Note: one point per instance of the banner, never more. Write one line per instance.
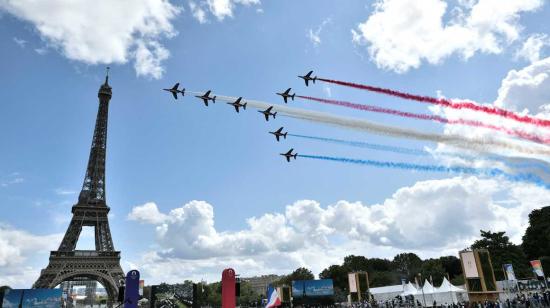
(469, 263)
(131, 294)
(509, 270)
(352, 283)
(537, 268)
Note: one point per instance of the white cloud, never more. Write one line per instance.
(73, 28)
(20, 42)
(12, 179)
(401, 34)
(428, 218)
(41, 51)
(64, 192)
(315, 35)
(219, 8)
(198, 12)
(147, 213)
(16, 247)
(532, 47)
(527, 88)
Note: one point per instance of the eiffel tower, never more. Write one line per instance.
(91, 210)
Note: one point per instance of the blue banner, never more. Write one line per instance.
(131, 293)
(312, 288)
(31, 298)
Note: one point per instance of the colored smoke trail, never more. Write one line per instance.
(514, 162)
(371, 146)
(493, 172)
(484, 145)
(429, 117)
(446, 103)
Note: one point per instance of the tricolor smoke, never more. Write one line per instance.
(446, 103)
(429, 117)
(484, 145)
(514, 162)
(493, 172)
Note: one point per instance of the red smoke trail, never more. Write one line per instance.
(446, 103)
(429, 117)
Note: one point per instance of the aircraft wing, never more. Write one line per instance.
(205, 101)
(277, 136)
(266, 116)
(280, 130)
(236, 108)
(207, 94)
(269, 109)
(175, 95)
(175, 87)
(288, 158)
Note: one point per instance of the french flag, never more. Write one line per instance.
(273, 299)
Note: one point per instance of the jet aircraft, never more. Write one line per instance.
(286, 94)
(279, 133)
(268, 113)
(174, 90)
(237, 104)
(206, 97)
(308, 77)
(288, 155)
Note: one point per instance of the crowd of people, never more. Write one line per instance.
(539, 299)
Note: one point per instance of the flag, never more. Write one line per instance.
(537, 268)
(273, 299)
(509, 270)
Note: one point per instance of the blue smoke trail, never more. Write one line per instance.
(493, 172)
(419, 152)
(372, 146)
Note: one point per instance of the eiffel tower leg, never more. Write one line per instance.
(71, 236)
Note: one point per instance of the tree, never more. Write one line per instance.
(433, 270)
(407, 265)
(503, 252)
(300, 273)
(536, 241)
(355, 264)
(451, 265)
(338, 275)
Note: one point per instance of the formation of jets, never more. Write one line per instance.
(238, 103)
(174, 90)
(286, 94)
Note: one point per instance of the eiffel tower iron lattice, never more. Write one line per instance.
(91, 210)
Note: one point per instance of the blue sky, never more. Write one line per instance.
(162, 154)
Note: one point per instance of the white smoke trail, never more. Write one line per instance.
(484, 145)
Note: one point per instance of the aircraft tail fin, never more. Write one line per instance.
(244, 106)
(183, 92)
(293, 96)
(284, 135)
(214, 99)
(274, 114)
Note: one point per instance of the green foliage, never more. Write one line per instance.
(407, 265)
(433, 271)
(301, 273)
(502, 252)
(536, 241)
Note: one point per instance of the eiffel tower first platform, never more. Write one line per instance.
(91, 210)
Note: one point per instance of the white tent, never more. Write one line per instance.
(409, 289)
(448, 293)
